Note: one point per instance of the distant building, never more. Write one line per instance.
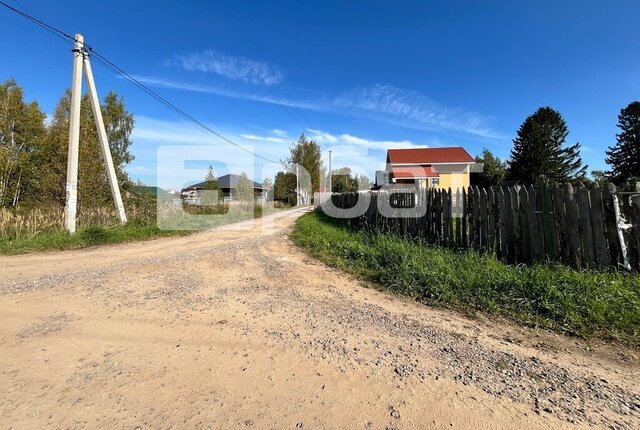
(229, 187)
(383, 177)
(145, 190)
(428, 167)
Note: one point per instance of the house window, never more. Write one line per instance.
(435, 182)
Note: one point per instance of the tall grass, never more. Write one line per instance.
(584, 303)
(42, 228)
(18, 223)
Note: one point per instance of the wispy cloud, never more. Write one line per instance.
(411, 109)
(381, 103)
(235, 68)
(208, 89)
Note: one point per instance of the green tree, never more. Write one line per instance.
(342, 181)
(493, 172)
(284, 188)
(245, 192)
(212, 192)
(364, 183)
(624, 156)
(599, 178)
(539, 149)
(307, 154)
(267, 186)
(118, 123)
(93, 188)
(22, 134)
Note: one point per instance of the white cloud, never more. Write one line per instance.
(265, 138)
(279, 133)
(235, 68)
(323, 137)
(387, 103)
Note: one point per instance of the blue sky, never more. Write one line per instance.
(357, 76)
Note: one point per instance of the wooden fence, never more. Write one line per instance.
(576, 227)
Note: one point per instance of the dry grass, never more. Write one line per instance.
(19, 223)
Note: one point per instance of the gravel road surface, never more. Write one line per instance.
(237, 328)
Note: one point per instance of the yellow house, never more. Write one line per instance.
(430, 167)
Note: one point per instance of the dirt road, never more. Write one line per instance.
(237, 328)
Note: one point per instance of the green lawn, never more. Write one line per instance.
(583, 303)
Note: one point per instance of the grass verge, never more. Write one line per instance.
(583, 303)
(88, 236)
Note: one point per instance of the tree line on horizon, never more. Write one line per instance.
(540, 149)
(33, 154)
(34, 149)
(307, 153)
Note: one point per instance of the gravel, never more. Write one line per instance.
(328, 326)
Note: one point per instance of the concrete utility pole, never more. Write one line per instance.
(74, 137)
(81, 58)
(104, 143)
(297, 187)
(330, 172)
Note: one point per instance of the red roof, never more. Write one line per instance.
(455, 154)
(414, 172)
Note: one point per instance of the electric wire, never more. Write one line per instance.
(105, 62)
(51, 29)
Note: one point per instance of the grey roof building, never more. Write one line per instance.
(228, 184)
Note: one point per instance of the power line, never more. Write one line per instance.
(51, 29)
(110, 65)
(118, 70)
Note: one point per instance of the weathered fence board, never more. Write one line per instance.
(611, 233)
(603, 258)
(560, 225)
(536, 235)
(484, 221)
(584, 227)
(465, 219)
(571, 210)
(491, 213)
(634, 248)
(458, 220)
(523, 222)
(500, 210)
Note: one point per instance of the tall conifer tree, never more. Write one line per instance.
(539, 149)
(624, 156)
